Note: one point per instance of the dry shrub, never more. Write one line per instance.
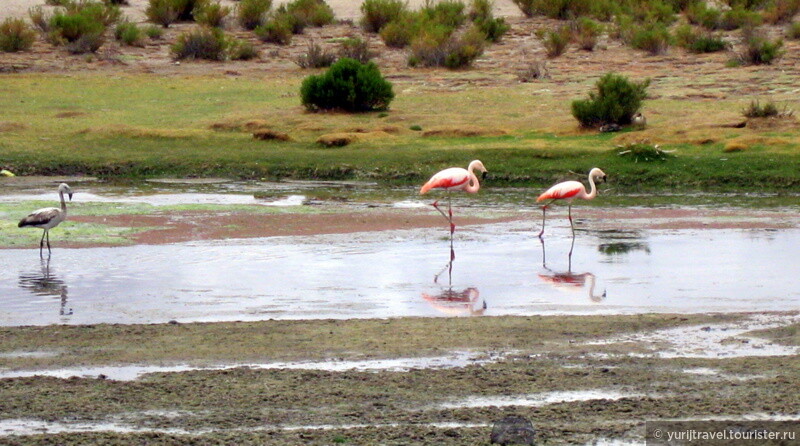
(735, 146)
(7, 126)
(239, 125)
(271, 135)
(463, 131)
(391, 129)
(71, 114)
(341, 139)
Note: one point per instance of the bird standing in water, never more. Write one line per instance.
(48, 218)
(568, 191)
(454, 178)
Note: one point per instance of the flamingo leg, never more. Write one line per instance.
(450, 212)
(48, 241)
(41, 242)
(569, 213)
(544, 257)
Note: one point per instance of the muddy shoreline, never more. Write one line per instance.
(573, 390)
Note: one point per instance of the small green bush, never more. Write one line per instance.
(701, 14)
(356, 49)
(80, 29)
(311, 12)
(347, 85)
(162, 12)
(16, 35)
(212, 14)
(201, 43)
(526, 6)
(793, 32)
(316, 57)
(492, 28)
(643, 152)
(624, 29)
(587, 31)
(252, 13)
(378, 13)
(397, 34)
(464, 50)
(555, 42)
(449, 13)
(129, 34)
(707, 43)
(563, 9)
(653, 38)
(615, 101)
(480, 10)
(759, 50)
(154, 32)
(739, 17)
(276, 30)
(756, 110)
(107, 15)
(241, 50)
(655, 11)
(436, 47)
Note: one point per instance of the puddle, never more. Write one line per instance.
(539, 399)
(133, 372)
(711, 341)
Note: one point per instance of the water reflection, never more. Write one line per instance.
(45, 283)
(448, 301)
(569, 281)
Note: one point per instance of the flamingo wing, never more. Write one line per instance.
(40, 217)
(563, 191)
(452, 178)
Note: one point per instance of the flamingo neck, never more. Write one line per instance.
(63, 203)
(592, 283)
(592, 188)
(473, 184)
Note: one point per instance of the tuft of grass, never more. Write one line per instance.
(643, 152)
(759, 50)
(161, 12)
(315, 57)
(653, 38)
(310, 12)
(276, 30)
(586, 32)
(357, 49)
(793, 31)
(16, 35)
(153, 32)
(129, 34)
(756, 110)
(555, 41)
(212, 14)
(239, 49)
(201, 43)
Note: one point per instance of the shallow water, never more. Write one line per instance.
(498, 270)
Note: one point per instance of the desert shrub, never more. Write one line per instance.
(563, 9)
(449, 13)
(96, 11)
(653, 38)
(481, 15)
(277, 30)
(162, 12)
(201, 43)
(793, 32)
(624, 28)
(739, 17)
(16, 35)
(586, 32)
(80, 30)
(239, 49)
(397, 34)
(615, 101)
(759, 50)
(493, 28)
(756, 110)
(212, 14)
(441, 49)
(684, 35)
(251, 13)
(129, 33)
(153, 32)
(654, 11)
(356, 49)
(707, 43)
(378, 13)
(701, 14)
(316, 57)
(555, 41)
(781, 11)
(347, 85)
(532, 71)
(40, 19)
(311, 12)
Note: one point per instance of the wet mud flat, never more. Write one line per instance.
(579, 379)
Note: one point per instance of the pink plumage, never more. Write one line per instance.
(567, 190)
(454, 178)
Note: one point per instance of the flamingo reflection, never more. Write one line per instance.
(466, 302)
(569, 281)
(45, 283)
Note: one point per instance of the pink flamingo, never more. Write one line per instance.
(454, 178)
(457, 303)
(568, 191)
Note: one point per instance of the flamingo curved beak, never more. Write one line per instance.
(484, 175)
(70, 196)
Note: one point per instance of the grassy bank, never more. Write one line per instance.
(145, 126)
